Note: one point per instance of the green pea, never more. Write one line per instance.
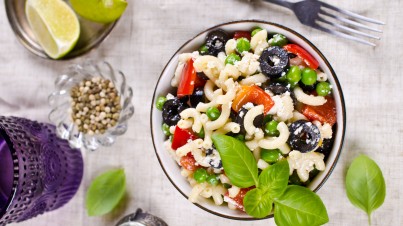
(270, 156)
(309, 76)
(212, 179)
(203, 50)
(293, 75)
(267, 119)
(201, 133)
(165, 129)
(213, 113)
(323, 88)
(240, 137)
(278, 40)
(200, 175)
(271, 128)
(160, 102)
(255, 31)
(232, 58)
(242, 45)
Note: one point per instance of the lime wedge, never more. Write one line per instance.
(54, 24)
(101, 11)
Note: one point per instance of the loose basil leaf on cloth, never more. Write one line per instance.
(299, 206)
(257, 203)
(239, 164)
(365, 185)
(274, 179)
(105, 192)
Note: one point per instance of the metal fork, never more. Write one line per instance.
(315, 14)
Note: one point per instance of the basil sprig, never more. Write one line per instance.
(365, 185)
(105, 192)
(293, 205)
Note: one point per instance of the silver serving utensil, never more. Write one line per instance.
(141, 218)
(328, 18)
(91, 33)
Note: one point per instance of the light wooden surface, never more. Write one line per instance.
(144, 40)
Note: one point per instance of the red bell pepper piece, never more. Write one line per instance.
(323, 113)
(181, 137)
(242, 34)
(238, 199)
(303, 54)
(188, 78)
(188, 162)
(253, 94)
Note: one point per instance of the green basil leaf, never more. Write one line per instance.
(274, 179)
(239, 164)
(105, 192)
(299, 206)
(257, 203)
(365, 184)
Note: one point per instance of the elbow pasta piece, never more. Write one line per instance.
(209, 90)
(254, 143)
(230, 71)
(211, 66)
(285, 149)
(216, 124)
(305, 163)
(188, 147)
(276, 142)
(207, 192)
(249, 64)
(185, 172)
(185, 123)
(207, 143)
(261, 164)
(296, 61)
(200, 156)
(224, 179)
(171, 152)
(256, 153)
(296, 115)
(196, 190)
(192, 113)
(202, 107)
(218, 192)
(325, 129)
(232, 127)
(308, 99)
(254, 79)
(250, 117)
(233, 191)
(230, 46)
(177, 75)
(231, 88)
(259, 42)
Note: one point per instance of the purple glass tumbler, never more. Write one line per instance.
(39, 172)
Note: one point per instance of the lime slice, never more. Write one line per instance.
(54, 24)
(102, 11)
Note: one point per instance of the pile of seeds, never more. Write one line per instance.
(95, 105)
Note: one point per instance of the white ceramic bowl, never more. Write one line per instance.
(171, 168)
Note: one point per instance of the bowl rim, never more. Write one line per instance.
(336, 81)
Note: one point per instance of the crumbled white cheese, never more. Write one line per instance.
(170, 96)
(222, 56)
(304, 163)
(230, 46)
(325, 129)
(283, 107)
(248, 106)
(249, 64)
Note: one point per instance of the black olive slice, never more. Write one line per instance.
(215, 41)
(239, 118)
(304, 136)
(196, 97)
(171, 110)
(274, 61)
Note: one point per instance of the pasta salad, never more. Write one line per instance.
(259, 88)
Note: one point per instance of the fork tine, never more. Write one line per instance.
(355, 15)
(344, 35)
(348, 29)
(351, 22)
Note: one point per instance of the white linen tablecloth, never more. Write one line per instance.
(142, 43)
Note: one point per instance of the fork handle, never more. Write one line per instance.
(284, 3)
